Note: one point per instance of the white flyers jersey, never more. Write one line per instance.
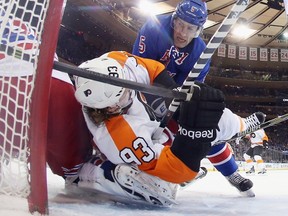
(137, 69)
(127, 138)
(257, 137)
(134, 129)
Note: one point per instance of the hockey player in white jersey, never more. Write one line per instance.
(258, 142)
(139, 167)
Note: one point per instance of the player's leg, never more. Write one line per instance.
(221, 156)
(258, 151)
(126, 181)
(230, 124)
(222, 159)
(69, 141)
(248, 157)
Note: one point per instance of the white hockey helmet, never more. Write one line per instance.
(96, 94)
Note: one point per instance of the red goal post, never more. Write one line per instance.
(29, 33)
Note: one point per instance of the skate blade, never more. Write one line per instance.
(262, 174)
(250, 174)
(248, 193)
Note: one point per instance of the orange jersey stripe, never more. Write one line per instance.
(124, 137)
(170, 168)
(154, 68)
(121, 57)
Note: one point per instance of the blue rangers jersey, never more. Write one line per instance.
(155, 41)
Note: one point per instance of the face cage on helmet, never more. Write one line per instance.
(195, 32)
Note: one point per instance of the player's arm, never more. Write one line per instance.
(157, 73)
(144, 68)
(158, 77)
(198, 122)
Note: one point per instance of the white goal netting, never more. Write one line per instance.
(21, 24)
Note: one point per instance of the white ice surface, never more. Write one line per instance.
(211, 196)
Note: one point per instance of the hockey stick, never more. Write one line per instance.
(155, 90)
(73, 70)
(211, 47)
(263, 125)
(142, 87)
(178, 96)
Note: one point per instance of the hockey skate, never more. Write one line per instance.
(251, 171)
(201, 174)
(71, 181)
(126, 183)
(146, 188)
(262, 171)
(243, 185)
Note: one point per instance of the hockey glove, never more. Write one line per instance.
(198, 122)
(205, 108)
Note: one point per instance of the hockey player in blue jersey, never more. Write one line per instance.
(174, 40)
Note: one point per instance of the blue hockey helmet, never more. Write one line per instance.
(192, 11)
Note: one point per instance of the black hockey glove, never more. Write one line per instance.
(265, 144)
(205, 108)
(198, 122)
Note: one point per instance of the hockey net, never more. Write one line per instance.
(29, 31)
